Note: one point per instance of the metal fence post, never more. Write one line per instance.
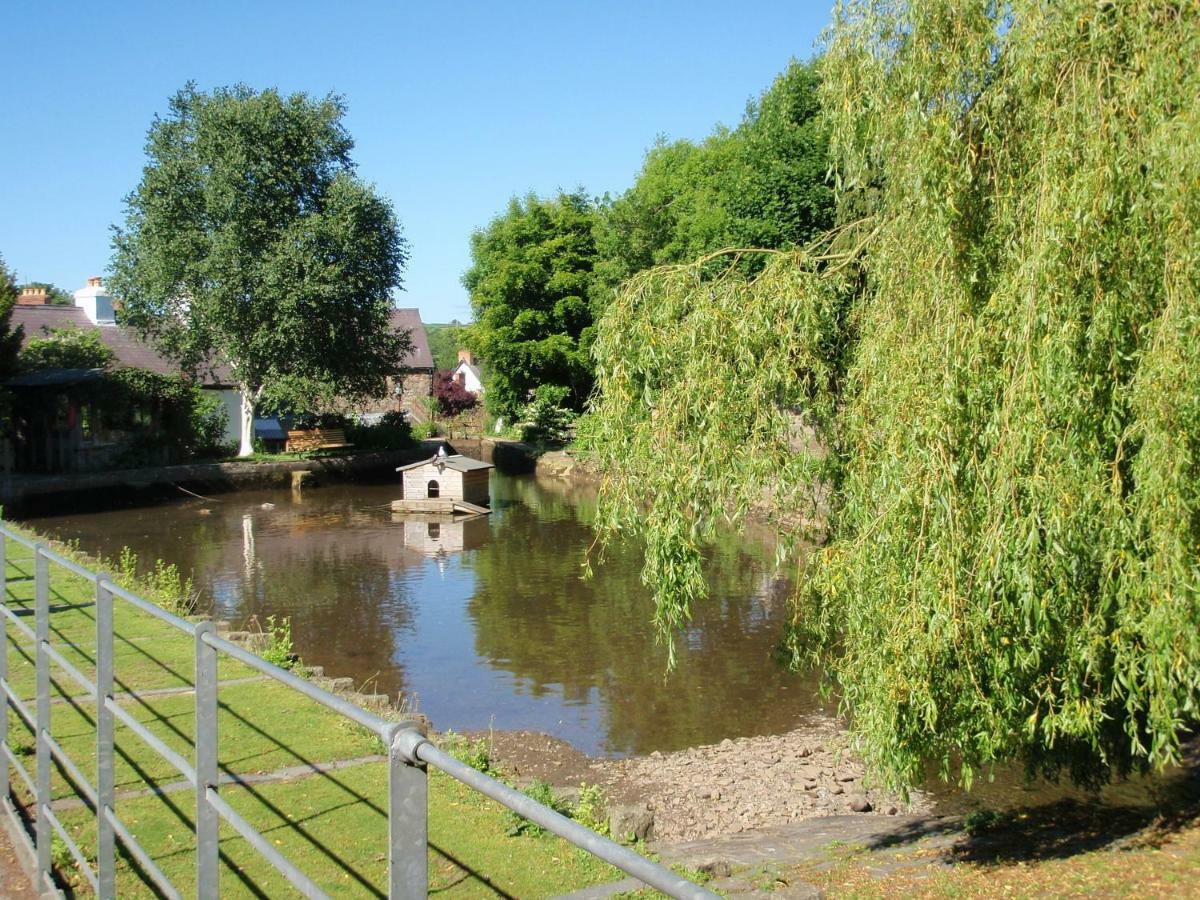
(3, 668)
(408, 814)
(207, 819)
(42, 636)
(105, 782)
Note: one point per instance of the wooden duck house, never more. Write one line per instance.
(445, 483)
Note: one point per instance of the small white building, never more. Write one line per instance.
(439, 483)
(467, 372)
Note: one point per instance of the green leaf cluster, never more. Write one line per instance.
(988, 390)
(528, 282)
(251, 243)
(544, 270)
(445, 340)
(762, 184)
(65, 348)
(10, 338)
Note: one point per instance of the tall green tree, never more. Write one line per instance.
(251, 243)
(445, 340)
(762, 185)
(1002, 364)
(10, 338)
(528, 282)
(10, 342)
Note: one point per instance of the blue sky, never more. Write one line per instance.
(454, 107)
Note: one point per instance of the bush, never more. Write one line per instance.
(543, 794)
(306, 420)
(424, 430)
(547, 419)
(451, 397)
(64, 348)
(392, 432)
(208, 421)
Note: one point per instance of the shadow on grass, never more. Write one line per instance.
(1064, 828)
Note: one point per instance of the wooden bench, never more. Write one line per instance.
(316, 439)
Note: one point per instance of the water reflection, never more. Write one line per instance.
(486, 620)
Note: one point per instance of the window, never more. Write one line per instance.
(432, 489)
(433, 531)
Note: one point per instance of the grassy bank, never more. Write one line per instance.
(1061, 850)
(332, 824)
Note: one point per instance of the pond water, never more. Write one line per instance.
(484, 623)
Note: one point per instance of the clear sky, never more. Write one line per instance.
(454, 107)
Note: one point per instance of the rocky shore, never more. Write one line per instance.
(737, 785)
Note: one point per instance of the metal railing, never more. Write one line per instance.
(410, 752)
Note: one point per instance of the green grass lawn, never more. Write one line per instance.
(332, 825)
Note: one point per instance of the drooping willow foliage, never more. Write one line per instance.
(1003, 361)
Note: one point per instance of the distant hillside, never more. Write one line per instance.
(444, 343)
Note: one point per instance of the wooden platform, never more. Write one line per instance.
(439, 505)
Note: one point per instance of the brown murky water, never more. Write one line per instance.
(487, 623)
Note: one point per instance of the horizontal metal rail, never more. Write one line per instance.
(81, 861)
(82, 680)
(21, 770)
(341, 705)
(611, 852)
(410, 752)
(72, 770)
(21, 626)
(147, 865)
(298, 879)
(19, 705)
(154, 741)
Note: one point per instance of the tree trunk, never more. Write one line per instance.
(247, 448)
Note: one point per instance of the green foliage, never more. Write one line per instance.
(65, 348)
(473, 753)
(445, 341)
(167, 414)
(207, 419)
(392, 432)
(10, 339)
(251, 243)
(1001, 368)
(762, 185)
(280, 651)
(528, 282)
(423, 431)
(591, 810)
(544, 794)
(546, 418)
(161, 583)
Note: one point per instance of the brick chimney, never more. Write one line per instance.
(466, 356)
(33, 296)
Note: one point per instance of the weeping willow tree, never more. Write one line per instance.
(1001, 363)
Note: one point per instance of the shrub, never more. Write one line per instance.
(547, 419)
(392, 432)
(452, 398)
(64, 348)
(543, 794)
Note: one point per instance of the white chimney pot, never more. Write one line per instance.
(96, 302)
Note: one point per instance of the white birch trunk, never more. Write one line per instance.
(247, 448)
